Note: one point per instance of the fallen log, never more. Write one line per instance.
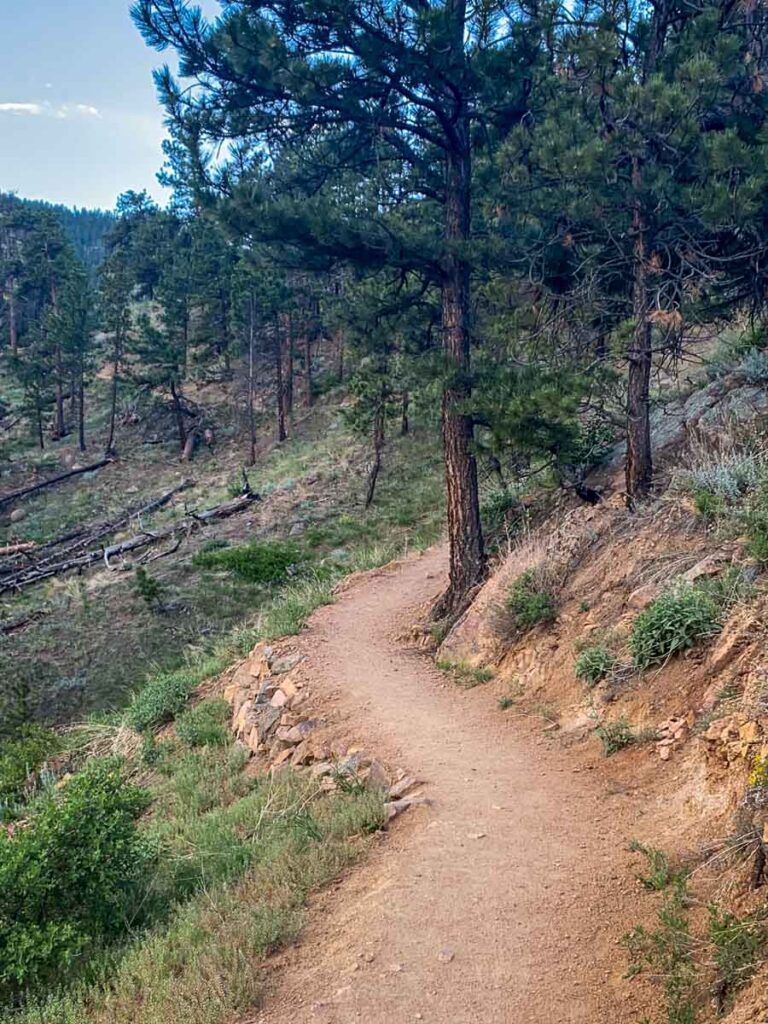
(20, 548)
(5, 499)
(188, 524)
(84, 537)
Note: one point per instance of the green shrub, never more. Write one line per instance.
(678, 619)
(163, 696)
(497, 509)
(464, 674)
(257, 562)
(615, 736)
(737, 943)
(594, 663)
(74, 876)
(20, 757)
(531, 601)
(204, 724)
(147, 588)
(708, 505)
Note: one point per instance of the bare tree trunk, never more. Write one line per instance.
(340, 356)
(404, 422)
(639, 463)
(287, 324)
(179, 414)
(59, 428)
(251, 381)
(378, 447)
(116, 353)
(13, 327)
(280, 383)
(40, 434)
(308, 396)
(467, 555)
(81, 408)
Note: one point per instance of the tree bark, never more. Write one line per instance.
(404, 422)
(251, 381)
(378, 448)
(116, 355)
(282, 434)
(13, 328)
(308, 396)
(179, 414)
(81, 408)
(467, 555)
(59, 428)
(639, 462)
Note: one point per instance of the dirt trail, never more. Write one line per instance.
(504, 900)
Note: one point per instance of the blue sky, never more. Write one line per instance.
(79, 121)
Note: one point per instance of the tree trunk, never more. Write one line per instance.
(179, 414)
(59, 428)
(340, 356)
(639, 465)
(308, 397)
(378, 447)
(280, 386)
(251, 382)
(110, 446)
(404, 422)
(13, 328)
(467, 555)
(81, 409)
(285, 328)
(40, 435)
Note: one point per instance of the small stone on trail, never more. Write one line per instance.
(284, 664)
(279, 699)
(476, 835)
(445, 956)
(401, 788)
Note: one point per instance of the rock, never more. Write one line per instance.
(268, 720)
(289, 687)
(476, 835)
(282, 757)
(18, 514)
(750, 732)
(242, 718)
(445, 956)
(395, 807)
(643, 596)
(665, 753)
(731, 641)
(321, 769)
(376, 777)
(400, 788)
(279, 699)
(279, 666)
(265, 694)
(298, 733)
(301, 754)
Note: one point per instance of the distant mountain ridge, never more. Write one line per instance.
(85, 229)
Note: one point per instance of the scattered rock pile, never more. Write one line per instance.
(269, 701)
(738, 738)
(673, 733)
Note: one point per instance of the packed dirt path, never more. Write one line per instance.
(505, 899)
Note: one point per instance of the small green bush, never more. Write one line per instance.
(257, 562)
(20, 757)
(615, 736)
(531, 601)
(594, 663)
(497, 509)
(677, 620)
(163, 696)
(708, 505)
(204, 724)
(74, 876)
(738, 943)
(147, 588)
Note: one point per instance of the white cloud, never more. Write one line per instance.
(31, 109)
(60, 111)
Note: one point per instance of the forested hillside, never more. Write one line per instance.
(497, 270)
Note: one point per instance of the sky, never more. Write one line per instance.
(79, 119)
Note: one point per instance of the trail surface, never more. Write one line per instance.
(503, 901)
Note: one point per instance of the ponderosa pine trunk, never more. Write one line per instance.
(179, 414)
(639, 459)
(251, 381)
(109, 448)
(282, 433)
(308, 396)
(467, 555)
(81, 407)
(13, 327)
(404, 422)
(59, 428)
(288, 365)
